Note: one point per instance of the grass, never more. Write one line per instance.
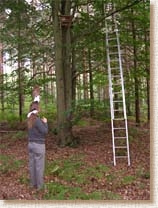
(141, 173)
(126, 180)
(82, 123)
(97, 171)
(67, 169)
(13, 137)
(73, 174)
(9, 163)
(75, 170)
(3, 146)
(10, 116)
(18, 135)
(23, 179)
(59, 191)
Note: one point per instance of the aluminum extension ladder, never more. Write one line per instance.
(119, 125)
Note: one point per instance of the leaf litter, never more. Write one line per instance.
(130, 182)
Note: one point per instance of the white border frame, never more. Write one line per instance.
(153, 202)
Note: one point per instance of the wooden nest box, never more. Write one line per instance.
(66, 20)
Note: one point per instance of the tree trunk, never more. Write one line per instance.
(85, 77)
(19, 68)
(73, 77)
(136, 80)
(148, 97)
(1, 77)
(147, 78)
(63, 73)
(146, 40)
(91, 84)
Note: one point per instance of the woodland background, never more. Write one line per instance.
(69, 64)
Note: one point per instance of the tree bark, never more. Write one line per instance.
(19, 67)
(136, 80)
(63, 73)
(91, 84)
(1, 77)
(85, 77)
(146, 41)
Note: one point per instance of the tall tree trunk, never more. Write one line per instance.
(85, 77)
(20, 85)
(136, 79)
(63, 73)
(147, 78)
(146, 41)
(127, 79)
(1, 77)
(79, 92)
(74, 79)
(90, 73)
(91, 84)
(19, 66)
(148, 96)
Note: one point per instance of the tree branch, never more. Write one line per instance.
(87, 71)
(94, 29)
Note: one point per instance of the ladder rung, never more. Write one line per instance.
(117, 101)
(120, 137)
(113, 53)
(114, 68)
(115, 93)
(112, 32)
(121, 147)
(119, 128)
(115, 76)
(116, 84)
(112, 38)
(113, 46)
(113, 60)
(118, 119)
(121, 156)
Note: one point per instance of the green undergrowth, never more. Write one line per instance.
(12, 137)
(9, 163)
(59, 191)
(73, 175)
(73, 178)
(74, 169)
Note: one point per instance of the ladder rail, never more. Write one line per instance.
(109, 76)
(121, 73)
(123, 93)
(127, 140)
(111, 98)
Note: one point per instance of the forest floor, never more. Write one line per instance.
(84, 172)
